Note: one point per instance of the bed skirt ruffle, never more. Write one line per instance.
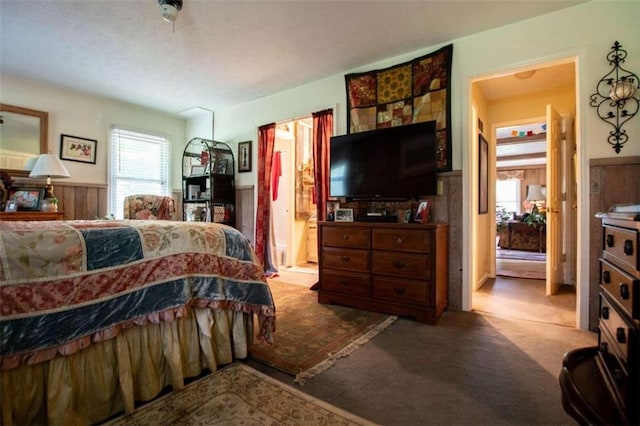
(108, 377)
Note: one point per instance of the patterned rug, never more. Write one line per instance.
(520, 255)
(521, 269)
(238, 395)
(309, 336)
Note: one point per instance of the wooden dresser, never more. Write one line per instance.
(602, 385)
(393, 268)
(31, 215)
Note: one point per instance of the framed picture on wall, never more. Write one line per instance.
(244, 156)
(483, 175)
(74, 148)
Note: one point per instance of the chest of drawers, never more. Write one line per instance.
(601, 385)
(392, 268)
(619, 321)
(31, 215)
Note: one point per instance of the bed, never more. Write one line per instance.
(96, 316)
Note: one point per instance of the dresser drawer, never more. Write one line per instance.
(346, 282)
(347, 259)
(410, 291)
(402, 240)
(621, 246)
(614, 370)
(417, 266)
(617, 328)
(622, 287)
(338, 236)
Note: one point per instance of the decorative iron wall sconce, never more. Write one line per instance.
(615, 100)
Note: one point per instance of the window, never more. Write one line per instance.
(139, 164)
(508, 194)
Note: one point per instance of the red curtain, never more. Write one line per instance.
(266, 142)
(322, 132)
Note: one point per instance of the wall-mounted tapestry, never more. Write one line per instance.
(411, 92)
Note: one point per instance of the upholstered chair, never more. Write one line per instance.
(148, 206)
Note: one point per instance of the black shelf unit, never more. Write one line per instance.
(208, 185)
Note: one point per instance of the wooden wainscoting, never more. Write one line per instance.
(81, 201)
(612, 181)
(77, 200)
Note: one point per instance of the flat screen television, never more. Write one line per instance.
(393, 163)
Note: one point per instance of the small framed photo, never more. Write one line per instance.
(74, 148)
(11, 206)
(244, 156)
(407, 216)
(198, 170)
(27, 198)
(220, 166)
(344, 215)
(423, 214)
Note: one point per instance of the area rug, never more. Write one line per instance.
(520, 255)
(521, 269)
(309, 336)
(238, 395)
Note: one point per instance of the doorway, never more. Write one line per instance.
(514, 102)
(293, 205)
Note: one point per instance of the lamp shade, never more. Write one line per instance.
(49, 166)
(535, 193)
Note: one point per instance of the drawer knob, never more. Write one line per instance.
(605, 312)
(606, 277)
(345, 259)
(604, 347)
(628, 247)
(398, 290)
(399, 240)
(624, 291)
(621, 336)
(399, 264)
(344, 283)
(345, 236)
(609, 240)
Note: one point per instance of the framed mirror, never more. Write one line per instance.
(23, 135)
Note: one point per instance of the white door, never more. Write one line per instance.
(554, 199)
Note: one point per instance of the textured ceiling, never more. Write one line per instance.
(224, 53)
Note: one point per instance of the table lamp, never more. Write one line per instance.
(534, 196)
(49, 166)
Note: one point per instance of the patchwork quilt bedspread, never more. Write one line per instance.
(66, 284)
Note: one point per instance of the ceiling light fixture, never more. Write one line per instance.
(524, 75)
(169, 10)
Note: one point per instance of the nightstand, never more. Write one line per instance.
(31, 215)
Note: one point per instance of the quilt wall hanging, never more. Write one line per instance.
(412, 92)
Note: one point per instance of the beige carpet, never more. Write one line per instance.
(238, 395)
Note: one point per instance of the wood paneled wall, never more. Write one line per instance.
(79, 201)
(612, 181)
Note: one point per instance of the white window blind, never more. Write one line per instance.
(139, 164)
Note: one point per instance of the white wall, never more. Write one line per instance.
(587, 31)
(91, 117)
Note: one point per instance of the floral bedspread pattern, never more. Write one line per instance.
(66, 284)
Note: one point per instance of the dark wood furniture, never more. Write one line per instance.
(601, 385)
(394, 268)
(31, 215)
(208, 184)
(524, 236)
